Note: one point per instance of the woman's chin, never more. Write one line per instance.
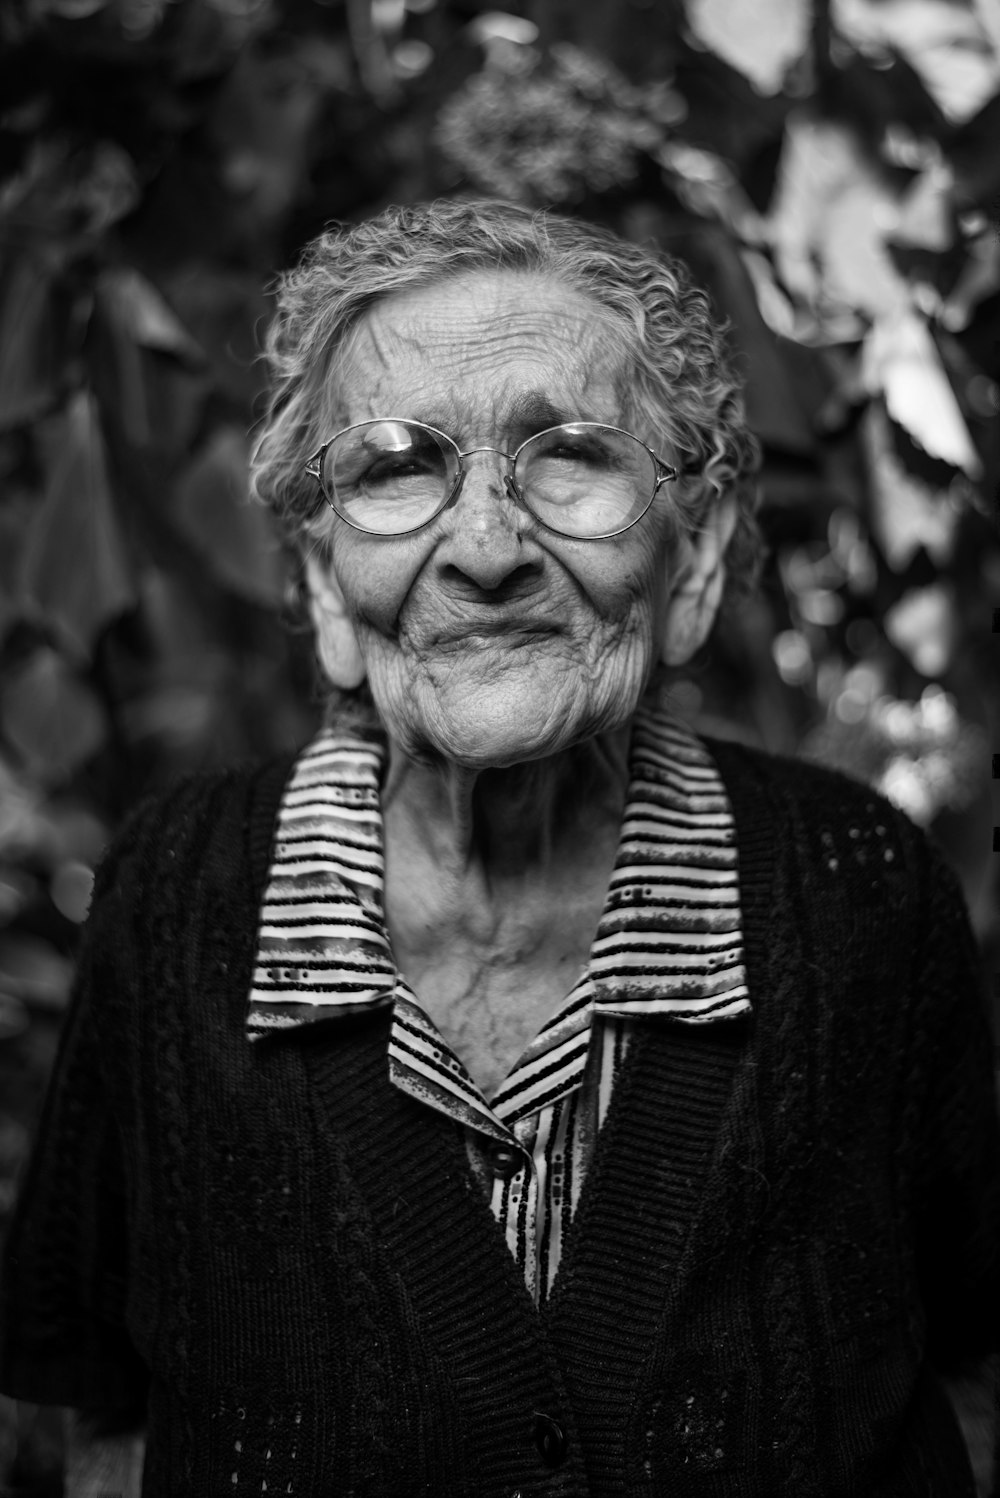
(481, 741)
(493, 729)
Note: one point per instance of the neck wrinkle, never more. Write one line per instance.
(499, 825)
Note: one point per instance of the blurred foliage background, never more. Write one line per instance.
(830, 172)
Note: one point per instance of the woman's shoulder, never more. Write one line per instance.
(829, 865)
(214, 825)
(806, 788)
(828, 823)
(178, 890)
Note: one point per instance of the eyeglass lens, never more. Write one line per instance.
(389, 476)
(580, 479)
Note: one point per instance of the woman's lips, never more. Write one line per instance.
(515, 633)
(431, 621)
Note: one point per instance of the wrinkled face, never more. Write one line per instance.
(487, 639)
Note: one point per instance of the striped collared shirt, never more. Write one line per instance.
(668, 947)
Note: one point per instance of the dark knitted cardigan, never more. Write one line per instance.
(787, 1221)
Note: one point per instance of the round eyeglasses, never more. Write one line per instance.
(586, 480)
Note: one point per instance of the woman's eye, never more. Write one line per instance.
(580, 452)
(397, 466)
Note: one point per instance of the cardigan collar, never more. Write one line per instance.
(668, 944)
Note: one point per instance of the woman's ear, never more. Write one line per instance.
(696, 593)
(336, 643)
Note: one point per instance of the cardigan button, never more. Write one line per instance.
(550, 1438)
(505, 1160)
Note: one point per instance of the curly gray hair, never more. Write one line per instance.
(675, 376)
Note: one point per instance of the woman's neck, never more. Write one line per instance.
(495, 883)
(494, 827)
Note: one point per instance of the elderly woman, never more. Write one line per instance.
(514, 1094)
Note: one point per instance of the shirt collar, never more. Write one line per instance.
(668, 943)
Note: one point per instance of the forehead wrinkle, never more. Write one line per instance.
(527, 394)
(491, 363)
(514, 341)
(408, 336)
(499, 325)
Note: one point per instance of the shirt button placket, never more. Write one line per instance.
(505, 1160)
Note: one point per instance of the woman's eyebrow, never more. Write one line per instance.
(535, 412)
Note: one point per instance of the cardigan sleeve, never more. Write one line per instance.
(64, 1278)
(955, 1132)
(68, 1282)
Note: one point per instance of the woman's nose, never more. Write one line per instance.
(483, 526)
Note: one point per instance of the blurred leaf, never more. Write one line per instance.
(261, 128)
(20, 819)
(75, 833)
(222, 307)
(181, 627)
(978, 279)
(982, 396)
(761, 39)
(29, 354)
(17, 889)
(708, 187)
(773, 396)
(828, 225)
(67, 194)
(76, 9)
(14, 513)
(206, 39)
(923, 625)
(371, 52)
(988, 16)
(901, 361)
(143, 313)
(148, 376)
(549, 127)
(32, 970)
(170, 715)
(945, 43)
(234, 537)
(75, 571)
(978, 396)
(907, 514)
(925, 212)
(71, 889)
(14, 1020)
(51, 717)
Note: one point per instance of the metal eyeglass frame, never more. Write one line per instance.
(314, 468)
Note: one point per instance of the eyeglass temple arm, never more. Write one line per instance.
(687, 470)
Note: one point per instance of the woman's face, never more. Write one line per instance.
(487, 639)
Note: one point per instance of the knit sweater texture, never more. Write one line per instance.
(788, 1222)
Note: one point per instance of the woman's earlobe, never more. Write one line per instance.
(336, 642)
(694, 600)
